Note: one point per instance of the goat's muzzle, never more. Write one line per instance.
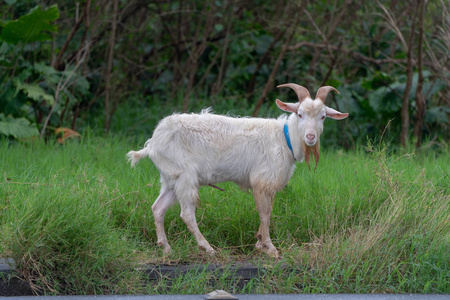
(310, 139)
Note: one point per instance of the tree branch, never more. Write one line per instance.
(108, 111)
(409, 74)
(420, 99)
(269, 82)
(61, 86)
(58, 62)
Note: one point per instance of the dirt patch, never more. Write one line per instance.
(13, 286)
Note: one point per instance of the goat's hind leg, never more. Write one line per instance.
(188, 198)
(165, 200)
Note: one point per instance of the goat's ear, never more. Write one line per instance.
(290, 107)
(334, 114)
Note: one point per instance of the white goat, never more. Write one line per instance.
(191, 150)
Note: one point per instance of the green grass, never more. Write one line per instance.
(77, 220)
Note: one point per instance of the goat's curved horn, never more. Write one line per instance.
(301, 91)
(323, 92)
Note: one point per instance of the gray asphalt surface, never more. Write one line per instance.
(245, 297)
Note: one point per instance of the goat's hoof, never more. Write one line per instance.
(273, 254)
(210, 251)
(269, 249)
(167, 249)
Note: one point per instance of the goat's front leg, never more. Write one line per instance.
(188, 199)
(264, 204)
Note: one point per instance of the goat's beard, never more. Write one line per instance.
(307, 150)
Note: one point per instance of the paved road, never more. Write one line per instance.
(244, 297)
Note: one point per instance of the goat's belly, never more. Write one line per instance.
(246, 176)
(223, 173)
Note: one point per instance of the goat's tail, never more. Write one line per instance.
(135, 156)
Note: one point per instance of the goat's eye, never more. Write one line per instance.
(323, 118)
(300, 116)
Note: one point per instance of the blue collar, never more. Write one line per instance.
(288, 140)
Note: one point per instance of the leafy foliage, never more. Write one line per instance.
(228, 55)
(17, 127)
(32, 27)
(30, 85)
(34, 92)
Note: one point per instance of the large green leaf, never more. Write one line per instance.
(18, 128)
(34, 92)
(32, 27)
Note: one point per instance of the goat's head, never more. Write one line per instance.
(310, 116)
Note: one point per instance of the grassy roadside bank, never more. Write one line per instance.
(77, 220)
